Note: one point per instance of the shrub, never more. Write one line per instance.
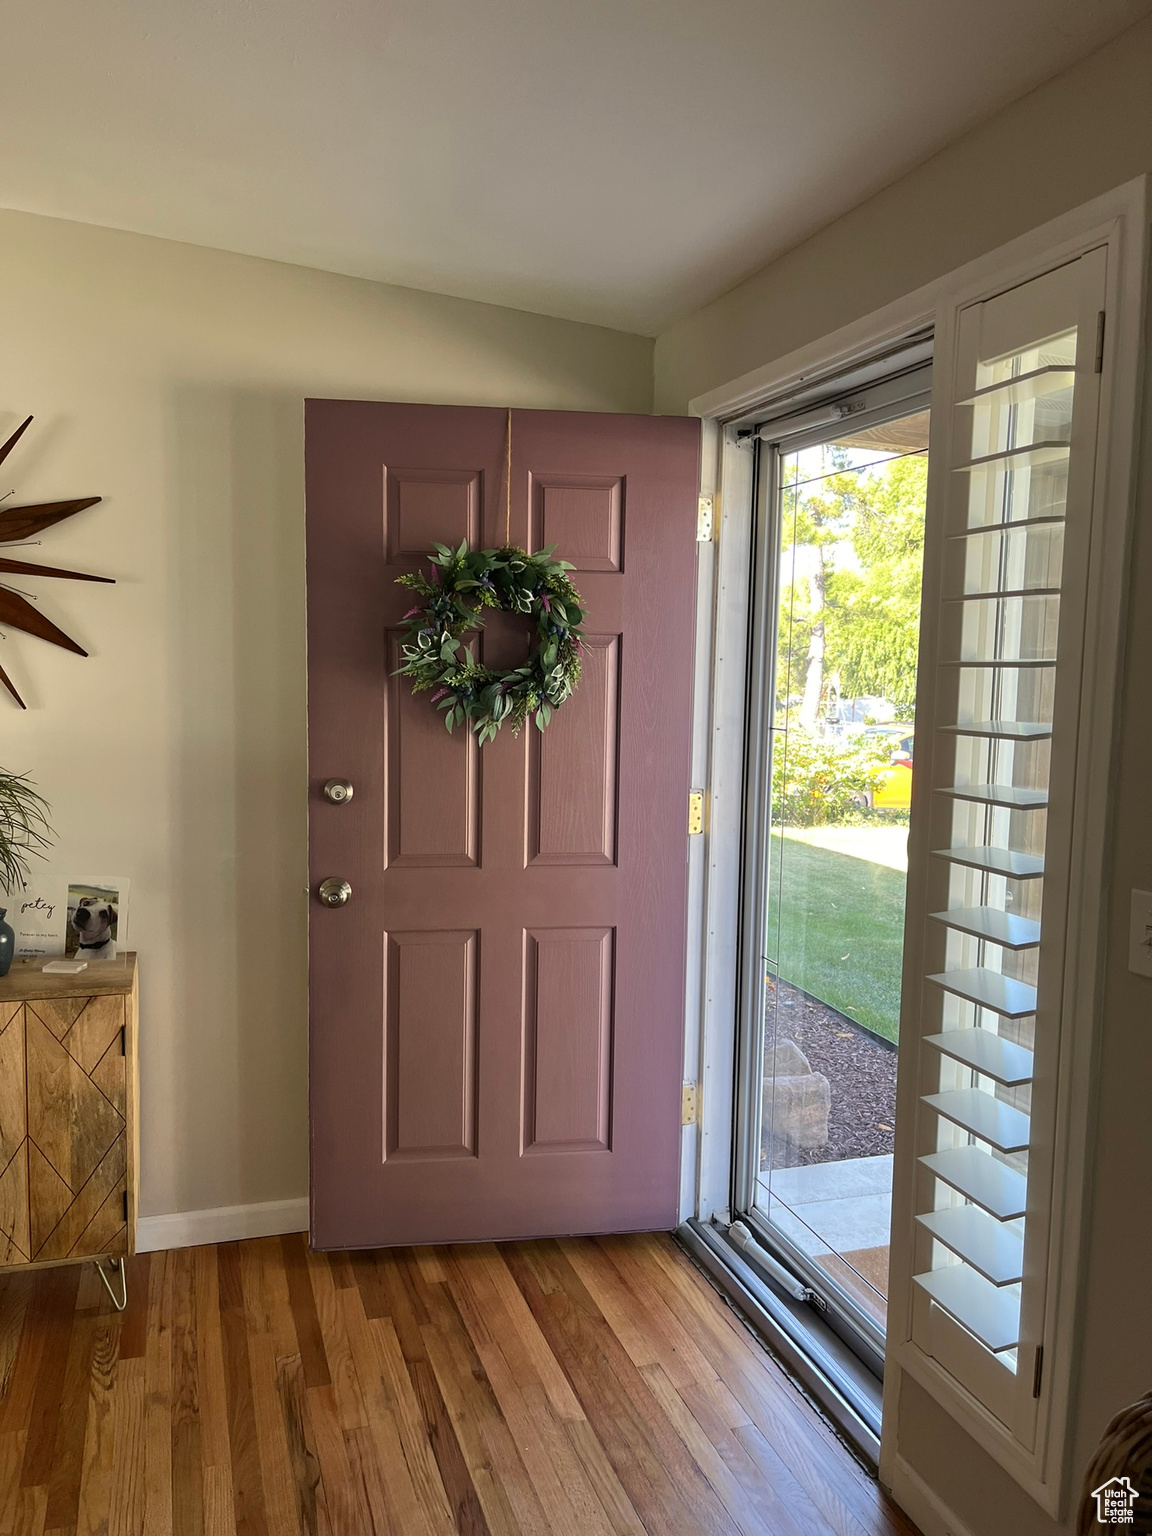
(817, 782)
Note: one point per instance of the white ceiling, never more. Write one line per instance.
(620, 161)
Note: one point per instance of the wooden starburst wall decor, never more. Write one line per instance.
(16, 524)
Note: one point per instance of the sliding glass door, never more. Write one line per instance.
(840, 562)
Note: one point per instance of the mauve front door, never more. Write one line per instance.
(497, 1011)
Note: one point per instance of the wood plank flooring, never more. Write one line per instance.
(592, 1387)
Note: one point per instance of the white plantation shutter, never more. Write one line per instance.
(997, 727)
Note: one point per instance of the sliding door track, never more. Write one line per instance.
(827, 1371)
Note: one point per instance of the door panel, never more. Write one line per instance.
(572, 820)
(429, 506)
(585, 515)
(430, 1076)
(568, 1038)
(497, 1014)
(434, 778)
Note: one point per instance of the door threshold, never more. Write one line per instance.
(823, 1366)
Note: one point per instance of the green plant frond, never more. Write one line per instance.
(25, 830)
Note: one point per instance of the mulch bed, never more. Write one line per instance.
(861, 1071)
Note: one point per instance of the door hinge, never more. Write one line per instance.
(695, 812)
(123, 1039)
(688, 1104)
(125, 1206)
(1098, 365)
(1038, 1370)
(704, 518)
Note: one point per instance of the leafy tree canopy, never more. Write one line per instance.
(871, 612)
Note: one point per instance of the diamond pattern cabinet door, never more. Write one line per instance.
(48, 1198)
(76, 1082)
(59, 1013)
(93, 1221)
(14, 1239)
(96, 1026)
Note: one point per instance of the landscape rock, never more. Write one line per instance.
(796, 1109)
(788, 1060)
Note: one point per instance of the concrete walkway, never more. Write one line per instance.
(832, 1207)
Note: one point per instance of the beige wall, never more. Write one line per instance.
(169, 379)
(1081, 134)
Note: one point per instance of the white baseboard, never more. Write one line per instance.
(223, 1224)
(923, 1507)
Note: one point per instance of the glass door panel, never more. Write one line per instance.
(849, 562)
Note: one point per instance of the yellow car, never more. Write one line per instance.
(893, 791)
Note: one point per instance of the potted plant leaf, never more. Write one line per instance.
(25, 833)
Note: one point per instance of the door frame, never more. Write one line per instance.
(1117, 219)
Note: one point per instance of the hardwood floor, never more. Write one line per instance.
(583, 1388)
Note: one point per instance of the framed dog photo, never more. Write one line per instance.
(97, 919)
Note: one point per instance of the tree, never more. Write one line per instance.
(811, 523)
(877, 634)
(853, 605)
(817, 644)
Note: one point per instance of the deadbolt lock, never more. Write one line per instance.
(339, 791)
(334, 892)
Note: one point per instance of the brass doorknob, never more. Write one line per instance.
(334, 892)
(338, 791)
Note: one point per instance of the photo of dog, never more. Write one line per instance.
(93, 915)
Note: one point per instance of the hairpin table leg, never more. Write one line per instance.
(118, 1268)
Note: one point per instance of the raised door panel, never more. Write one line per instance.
(567, 1039)
(583, 516)
(573, 770)
(434, 804)
(424, 507)
(430, 1045)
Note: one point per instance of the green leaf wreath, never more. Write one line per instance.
(467, 582)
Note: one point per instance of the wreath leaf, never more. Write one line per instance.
(466, 582)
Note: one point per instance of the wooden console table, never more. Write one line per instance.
(68, 1139)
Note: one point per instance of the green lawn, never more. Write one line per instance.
(841, 927)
